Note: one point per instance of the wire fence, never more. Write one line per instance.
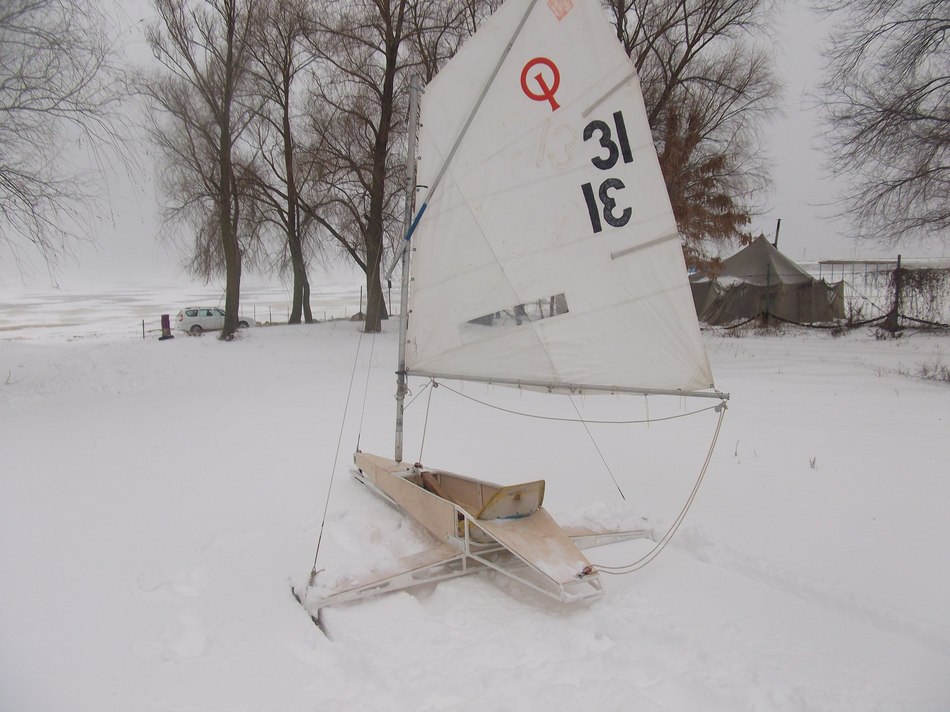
(902, 293)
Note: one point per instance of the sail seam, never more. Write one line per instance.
(645, 245)
(626, 78)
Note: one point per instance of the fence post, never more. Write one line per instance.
(898, 279)
(891, 321)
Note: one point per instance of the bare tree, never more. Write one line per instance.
(359, 106)
(888, 116)
(366, 50)
(204, 96)
(707, 87)
(277, 170)
(58, 89)
(439, 27)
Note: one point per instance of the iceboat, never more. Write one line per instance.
(544, 255)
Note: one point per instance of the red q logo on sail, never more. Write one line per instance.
(547, 82)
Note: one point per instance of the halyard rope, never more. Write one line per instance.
(653, 553)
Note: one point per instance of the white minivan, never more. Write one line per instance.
(195, 320)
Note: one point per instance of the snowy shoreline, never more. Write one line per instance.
(159, 498)
(123, 311)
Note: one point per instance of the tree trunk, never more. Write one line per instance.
(301, 301)
(300, 277)
(374, 292)
(232, 294)
(301, 291)
(375, 304)
(227, 221)
(307, 314)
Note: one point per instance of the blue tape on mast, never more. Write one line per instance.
(415, 222)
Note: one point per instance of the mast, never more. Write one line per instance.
(401, 387)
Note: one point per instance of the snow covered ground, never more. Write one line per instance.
(158, 498)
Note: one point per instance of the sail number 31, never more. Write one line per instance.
(603, 204)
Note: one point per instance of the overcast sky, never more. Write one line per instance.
(128, 249)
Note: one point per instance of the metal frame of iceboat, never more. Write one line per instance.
(524, 543)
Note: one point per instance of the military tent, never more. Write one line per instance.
(761, 280)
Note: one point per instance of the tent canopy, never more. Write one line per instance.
(761, 280)
(760, 264)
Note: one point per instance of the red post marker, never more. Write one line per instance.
(166, 328)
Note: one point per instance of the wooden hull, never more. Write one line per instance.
(520, 540)
(455, 514)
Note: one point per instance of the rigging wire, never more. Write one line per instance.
(418, 394)
(597, 448)
(369, 372)
(578, 419)
(653, 553)
(720, 408)
(336, 456)
(425, 423)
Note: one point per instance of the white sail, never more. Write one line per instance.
(548, 253)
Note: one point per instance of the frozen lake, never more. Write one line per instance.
(65, 314)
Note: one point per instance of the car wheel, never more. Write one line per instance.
(242, 325)
(196, 330)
